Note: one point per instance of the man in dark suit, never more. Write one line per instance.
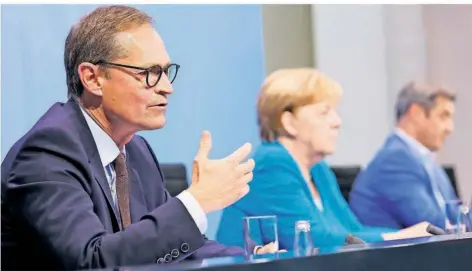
(81, 190)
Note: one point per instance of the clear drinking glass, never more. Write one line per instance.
(464, 223)
(260, 231)
(460, 217)
(303, 243)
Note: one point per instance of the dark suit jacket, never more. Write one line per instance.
(57, 207)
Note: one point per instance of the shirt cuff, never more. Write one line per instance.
(195, 210)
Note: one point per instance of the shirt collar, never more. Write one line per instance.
(107, 148)
(413, 143)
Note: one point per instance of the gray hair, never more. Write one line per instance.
(420, 94)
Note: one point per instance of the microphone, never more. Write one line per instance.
(435, 230)
(353, 240)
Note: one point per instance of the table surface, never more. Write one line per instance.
(445, 252)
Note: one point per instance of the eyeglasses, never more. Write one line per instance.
(153, 74)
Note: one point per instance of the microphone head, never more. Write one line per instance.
(353, 240)
(435, 230)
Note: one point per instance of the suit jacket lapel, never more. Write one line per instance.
(94, 159)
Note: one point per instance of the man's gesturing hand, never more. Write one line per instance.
(219, 183)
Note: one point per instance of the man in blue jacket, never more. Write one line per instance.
(403, 184)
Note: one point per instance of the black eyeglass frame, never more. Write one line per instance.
(147, 70)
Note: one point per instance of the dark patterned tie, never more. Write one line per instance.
(122, 193)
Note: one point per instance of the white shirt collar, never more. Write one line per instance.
(107, 148)
(413, 143)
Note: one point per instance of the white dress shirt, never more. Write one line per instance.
(108, 151)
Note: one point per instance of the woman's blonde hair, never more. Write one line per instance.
(288, 89)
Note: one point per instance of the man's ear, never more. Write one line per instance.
(89, 76)
(288, 120)
(417, 112)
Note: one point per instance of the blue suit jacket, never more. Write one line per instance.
(278, 188)
(395, 190)
(57, 207)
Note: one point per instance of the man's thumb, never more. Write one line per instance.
(205, 145)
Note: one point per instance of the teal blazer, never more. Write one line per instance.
(278, 188)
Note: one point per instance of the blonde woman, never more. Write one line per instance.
(299, 126)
